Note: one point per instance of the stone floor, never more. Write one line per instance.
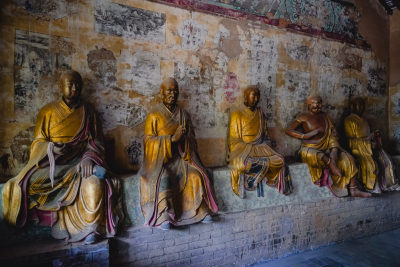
(378, 250)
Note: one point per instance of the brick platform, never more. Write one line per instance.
(245, 231)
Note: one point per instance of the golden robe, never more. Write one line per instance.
(51, 189)
(174, 186)
(358, 134)
(250, 158)
(312, 155)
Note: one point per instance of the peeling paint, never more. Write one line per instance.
(146, 73)
(131, 22)
(115, 114)
(231, 87)
(193, 35)
(377, 82)
(134, 151)
(33, 62)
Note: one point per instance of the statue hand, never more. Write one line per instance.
(61, 148)
(86, 167)
(178, 134)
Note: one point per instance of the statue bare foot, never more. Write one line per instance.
(334, 169)
(355, 192)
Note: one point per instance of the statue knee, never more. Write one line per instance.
(92, 190)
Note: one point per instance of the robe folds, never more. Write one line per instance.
(174, 186)
(312, 154)
(250, 158)
(51, 189)
(375, 166)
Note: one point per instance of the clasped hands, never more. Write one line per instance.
(179, 132)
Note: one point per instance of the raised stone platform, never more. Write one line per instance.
(303, 191)
(268, 226)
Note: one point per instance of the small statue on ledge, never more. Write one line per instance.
(322, 152)
(63, 184)
(250, 157)
(174, 186)
(376, 169)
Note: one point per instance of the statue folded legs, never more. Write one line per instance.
(250, 156)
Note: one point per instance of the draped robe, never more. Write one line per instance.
(250, 158)
(371, 170)
(312, 155)
(174, 186)
(51, 189)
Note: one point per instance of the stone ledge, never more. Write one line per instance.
(55, 253)
(304, 191)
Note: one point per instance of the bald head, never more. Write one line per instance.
(357, 106)
(314, 98)
(251, 96)
(169, 91)
(70, 84)
(314, 104)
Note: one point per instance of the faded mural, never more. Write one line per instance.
(123, 52)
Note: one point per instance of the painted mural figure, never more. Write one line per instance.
(250, 157)
(328, 163)
(376, 169)
(174, 186)
(64, 184)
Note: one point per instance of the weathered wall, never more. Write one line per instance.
(123, 49)
(394, 81)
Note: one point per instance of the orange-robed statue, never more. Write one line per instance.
(174, 186)
(329, 164)
(64, 185)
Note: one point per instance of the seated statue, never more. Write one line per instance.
(322, 152)
(58, 186)
(174, 186)
(376, 169)
(250, 157)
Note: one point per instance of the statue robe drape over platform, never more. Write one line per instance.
(51, 189)
(174, 186)
(250, 158)
(358, 134)
(312, 155)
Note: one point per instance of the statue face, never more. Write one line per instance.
(70, 88)
(315, 105)
(170, 94)
(252, 99)
(358, 107)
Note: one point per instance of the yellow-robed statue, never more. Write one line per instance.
(376, 169)
(250, 157)
(174, 186)
(329, 164)
(64, 184)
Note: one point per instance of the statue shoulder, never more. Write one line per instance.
(48, 108)
(303, 117)
(235, 113)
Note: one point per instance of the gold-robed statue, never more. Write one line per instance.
(329, 164)
(64, 185)
(250, 157)
(174, 186)
(376, 169)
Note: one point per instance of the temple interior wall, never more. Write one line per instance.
(212, 57)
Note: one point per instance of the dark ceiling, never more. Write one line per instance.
(390, 5)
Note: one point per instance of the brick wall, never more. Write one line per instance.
(247, 237)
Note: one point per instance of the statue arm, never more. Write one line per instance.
(234, 131)
(155, 145)
(291, 129)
